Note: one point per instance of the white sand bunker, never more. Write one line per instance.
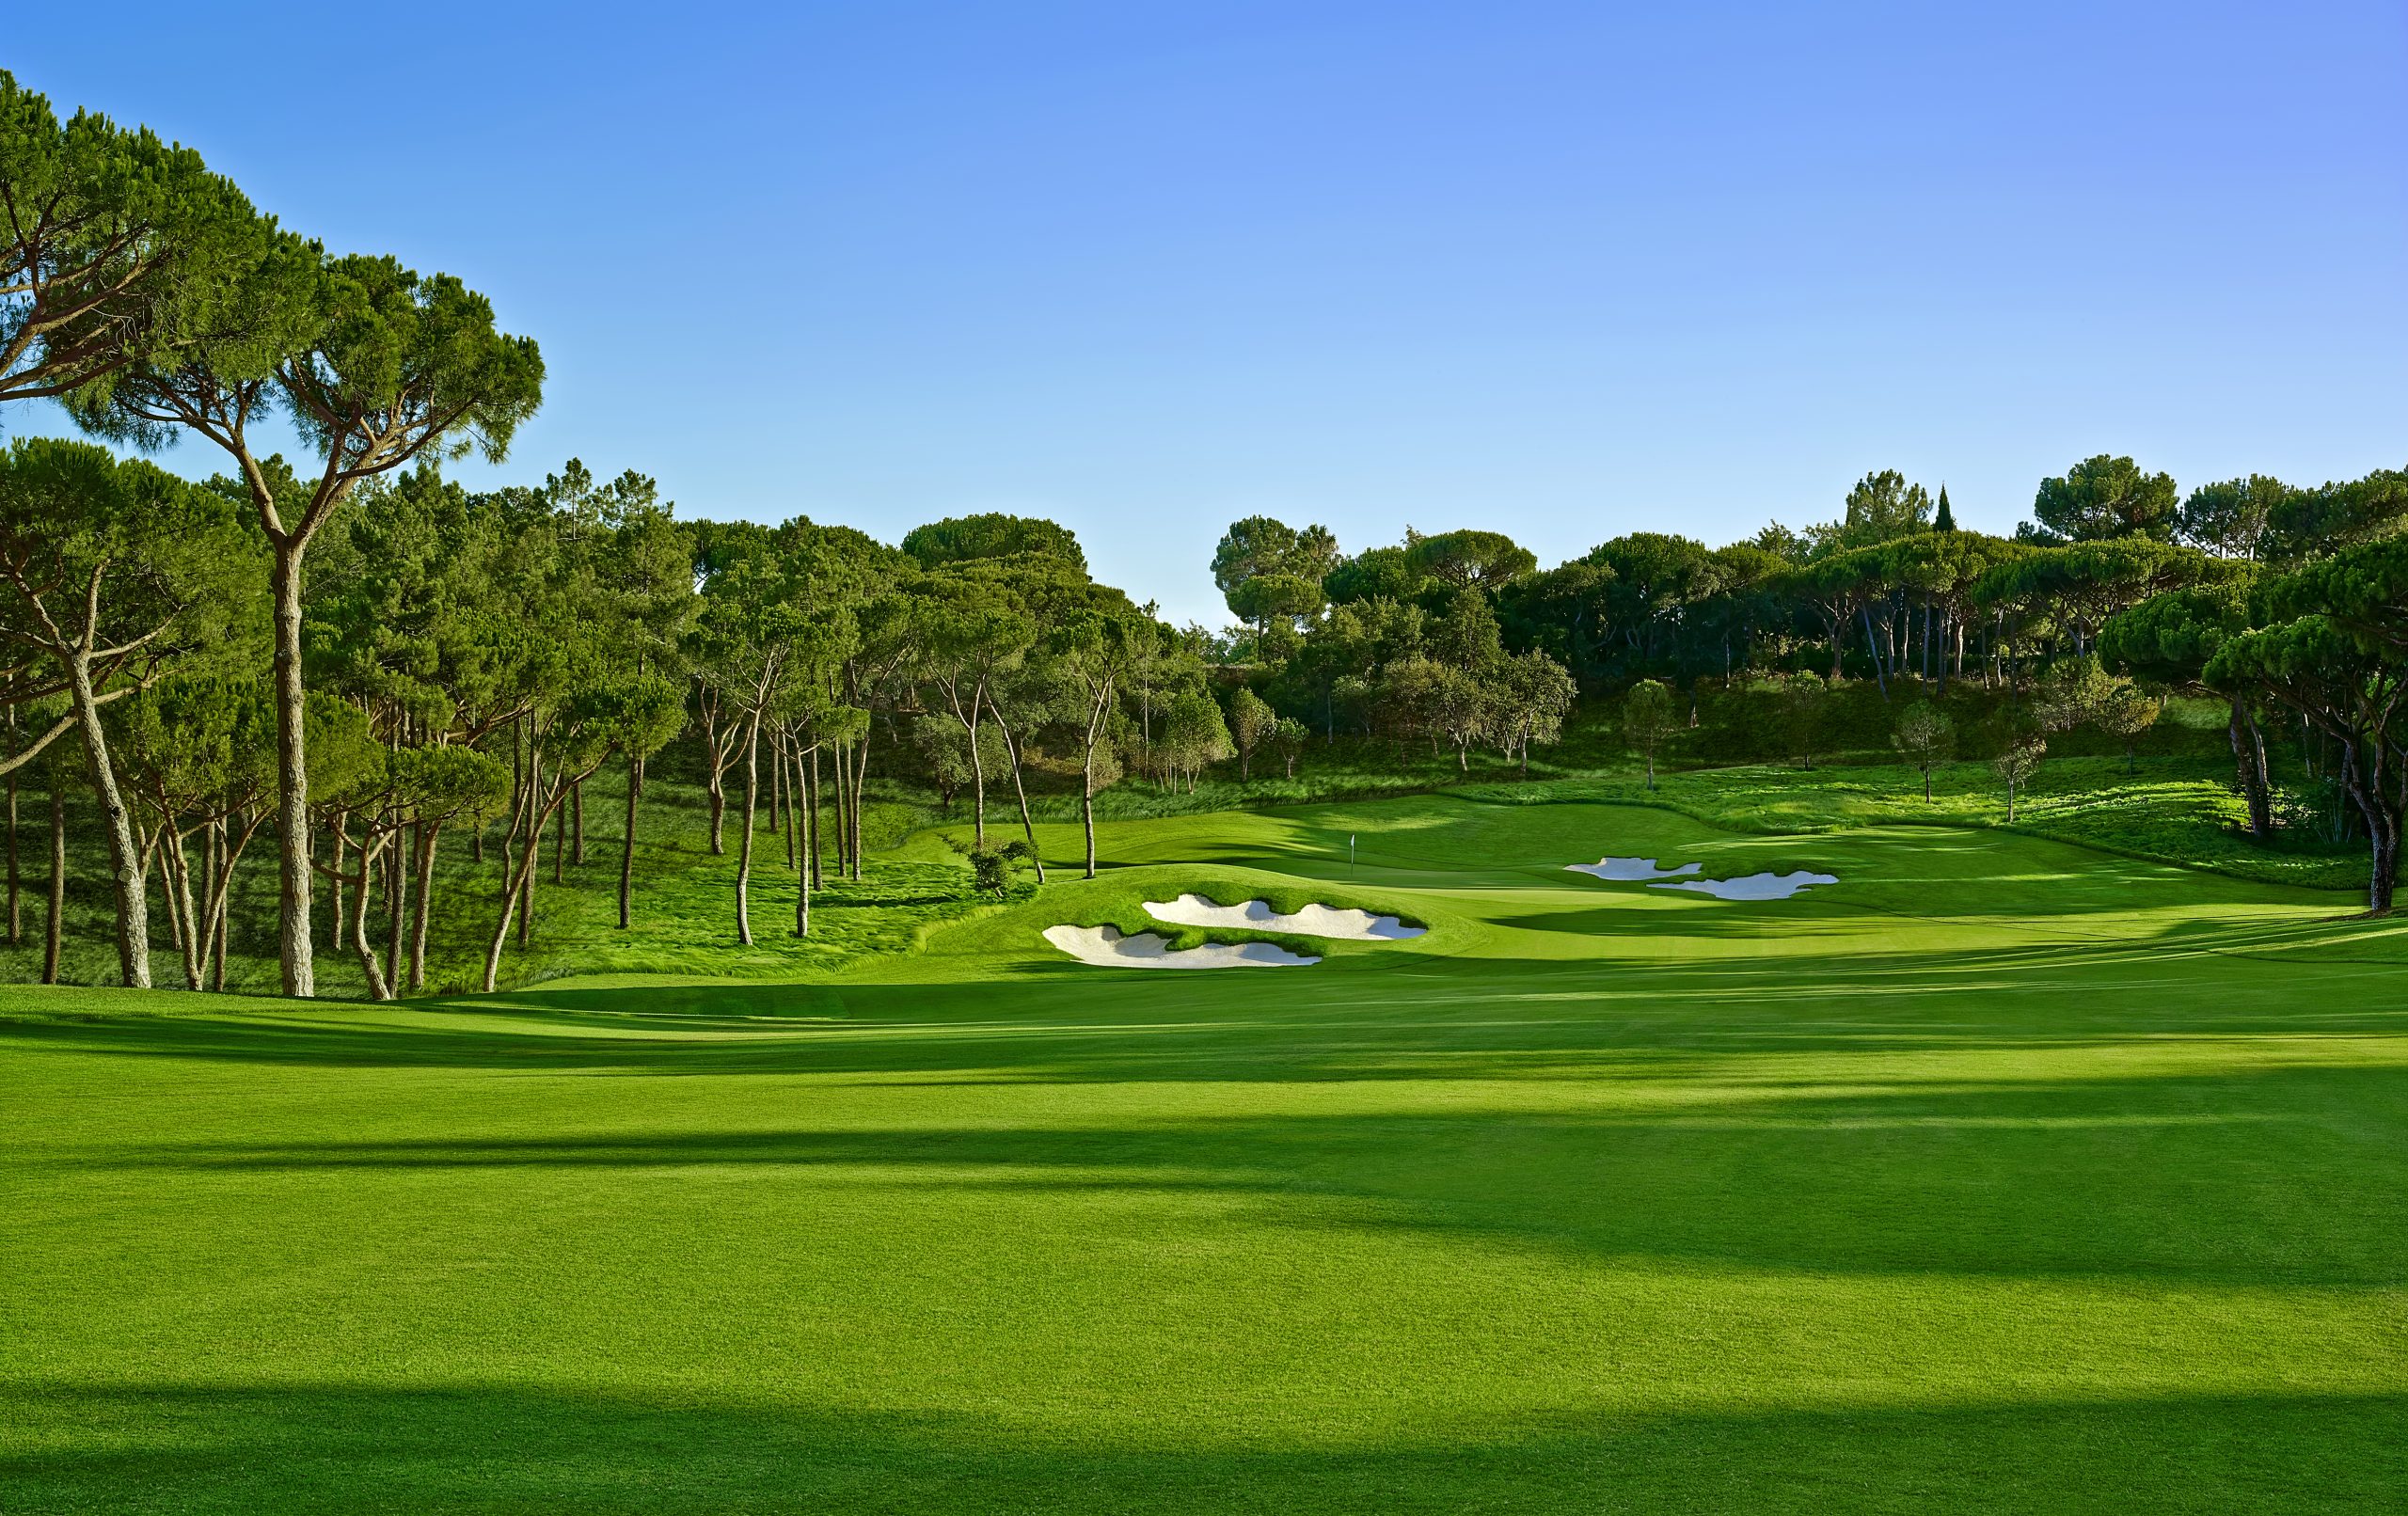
(1753, 885)
(1105, 946)
(1621, 870)
(1313, 921)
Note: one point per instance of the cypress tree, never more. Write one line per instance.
(1945, 520)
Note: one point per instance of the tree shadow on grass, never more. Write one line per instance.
(212, 1451)
(2165, 1178)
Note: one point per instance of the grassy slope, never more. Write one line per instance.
(2002, 1175)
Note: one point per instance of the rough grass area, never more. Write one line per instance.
(2002, 1175)
(2172, 811)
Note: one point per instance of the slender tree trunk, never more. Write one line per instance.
(535, 845)
(782, 752)
(126, 864)
(1020, 791)
(744, 838)
(295, 950)
(560, 839)
(627, 845)
(514, 880)
(778, 790)
(577, 809)
(153, 852)
(811, 812)
(718, 793)
(397, 890)
(334, 889)
(977, 779)
(220, 894)
(373, 971)
(844, 805)
(16, 918)
(212, 839)
(860, 780)
(423, 908)
(57, 904)
(797, 855)
(193, 946)
(1873, 647)
(1086, 810)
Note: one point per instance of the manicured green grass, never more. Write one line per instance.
(2168, 810)
(2002, 1175)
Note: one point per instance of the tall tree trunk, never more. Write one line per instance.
(577, 811)
(797, 853)
(58, 905)
(378, 988)
(334, 889)
(560, 839)
(534, 847)
(1086, 811)
(977, 779)
(719, 797)
(221, 890)
(811, 811)
(1029, 825)
(515, 877)
(1873, 647)
(193, 946)
(423, 907)
(16, 918)
(293, 949)
(844, 805)
(781, 752)
(126, 863)
(212, 836)
(744, 838)
(861, 780)
(627, 845)
(397, 890)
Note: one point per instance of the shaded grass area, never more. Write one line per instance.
(2002, 1175)
(500, 1449)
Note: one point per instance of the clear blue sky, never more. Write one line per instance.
(1544, 268)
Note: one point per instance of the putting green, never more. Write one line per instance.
(2000, 1176)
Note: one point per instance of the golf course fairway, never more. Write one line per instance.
(2000, 1175)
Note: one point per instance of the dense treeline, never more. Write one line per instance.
(350, 661)
(2286, 603)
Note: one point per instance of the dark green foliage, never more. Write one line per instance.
(2105, 497)
(1377, 572)
(961, 539)
(1485, 560)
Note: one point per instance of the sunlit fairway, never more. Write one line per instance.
(2000, 1176)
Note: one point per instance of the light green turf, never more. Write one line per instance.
(2002, 1175)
